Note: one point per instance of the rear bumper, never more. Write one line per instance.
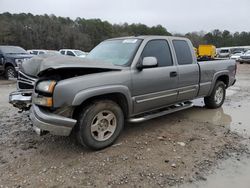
(45, 121)
(20, 99)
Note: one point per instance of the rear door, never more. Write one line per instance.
(188, 70)
(155, 87)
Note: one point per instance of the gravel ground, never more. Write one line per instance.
(172, 150)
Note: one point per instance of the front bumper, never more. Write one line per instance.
(46, 121)
(20, 99)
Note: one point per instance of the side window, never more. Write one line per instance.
(62, 52)
(41, 52)
(159, 49)
(183, 52)
(70, 53)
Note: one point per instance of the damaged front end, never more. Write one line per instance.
(47, 67)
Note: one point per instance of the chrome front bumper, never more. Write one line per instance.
(46, 121)
(21, 99)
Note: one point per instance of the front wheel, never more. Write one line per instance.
(100, 124)
(217, 97)
(10, 73)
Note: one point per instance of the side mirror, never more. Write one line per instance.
(147, 62)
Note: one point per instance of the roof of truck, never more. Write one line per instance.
(149, 37)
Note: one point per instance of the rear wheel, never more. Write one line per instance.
(10, 73)
(100, 124)
(217, 97)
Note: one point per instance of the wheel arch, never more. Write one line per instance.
(220, 76)
(120, 96)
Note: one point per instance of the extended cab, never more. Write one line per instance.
(11, 58)
(123, 79)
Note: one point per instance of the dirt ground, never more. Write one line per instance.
(173, 150)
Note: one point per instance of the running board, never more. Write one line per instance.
(162, 112)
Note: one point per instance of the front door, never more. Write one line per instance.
(155, 87)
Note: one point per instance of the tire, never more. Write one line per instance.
(100, 124)
(10, 73)
(241, 62)
(217, 97)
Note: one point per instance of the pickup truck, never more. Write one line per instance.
(11, 58)
(122, 79)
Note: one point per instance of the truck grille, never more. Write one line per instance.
(24, 81)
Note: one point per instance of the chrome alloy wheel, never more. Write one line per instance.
(219, 94)
(103, 125)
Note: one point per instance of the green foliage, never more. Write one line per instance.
(220, 38)
(51, 32)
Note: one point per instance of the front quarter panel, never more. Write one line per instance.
(74, 91)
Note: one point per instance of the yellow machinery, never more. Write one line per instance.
(206, 51)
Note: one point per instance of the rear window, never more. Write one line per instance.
(183, 52)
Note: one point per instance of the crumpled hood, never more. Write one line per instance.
(41, 63)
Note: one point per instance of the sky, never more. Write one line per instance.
(177, 16)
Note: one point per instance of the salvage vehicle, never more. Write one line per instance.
(130, 79)
(224, 53)
(40, 52)
(72, 52)
(236, 55)
(245, 58)
(11, 58)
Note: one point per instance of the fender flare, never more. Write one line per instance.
(86, 94)
(215, 77)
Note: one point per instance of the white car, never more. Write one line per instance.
(72, 52)
(40, 52)
(224, 53)
(236, 55)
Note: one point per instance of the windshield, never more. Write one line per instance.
(12, 50)
(79, 53)
(118, 52)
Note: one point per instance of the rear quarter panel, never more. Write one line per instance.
(210, 71)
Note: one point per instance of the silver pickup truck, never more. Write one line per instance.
(123, 79)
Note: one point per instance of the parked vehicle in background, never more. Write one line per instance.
(39, 52)
(71, 52)
(11, 58)
(129, 78)
(236, 55)
(206, 52)
(245, 58)
(224, 53)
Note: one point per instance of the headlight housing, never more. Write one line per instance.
(44, 90)
(19, 62)
(46, 86)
